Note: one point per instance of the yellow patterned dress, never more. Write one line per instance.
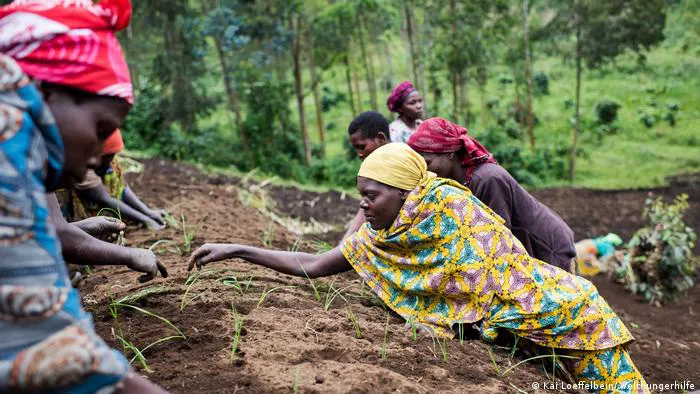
(449, 259)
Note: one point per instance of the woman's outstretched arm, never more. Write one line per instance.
(291, 263)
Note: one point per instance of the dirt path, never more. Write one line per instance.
(290, 339)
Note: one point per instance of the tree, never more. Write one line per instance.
(602, 30)
(225, 28)
(530, 121)
(296, 28)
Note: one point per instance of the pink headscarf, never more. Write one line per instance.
(398, 95)
(69, 42)
(437, 135)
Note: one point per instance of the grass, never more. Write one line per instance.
(317, 295)
(332, 294)
(237, 328)
(295, 389)
(267, 292)
(493, 362)
(125, 302)
(268, 235)
(173, 248)
(187, 235)
(143, 293)
(353, 321)
(385, 343)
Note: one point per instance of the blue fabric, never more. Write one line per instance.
(46, 323)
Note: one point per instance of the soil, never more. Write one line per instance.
(290, 340)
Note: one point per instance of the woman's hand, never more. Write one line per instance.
(158, 215)
(144, 260)
(209, 253)
(153, 225)
(102, 227)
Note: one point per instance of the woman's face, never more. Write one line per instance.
(380, 203)
(412, 107)
(84, 126)
(439, 163)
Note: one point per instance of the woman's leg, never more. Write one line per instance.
(608, 370)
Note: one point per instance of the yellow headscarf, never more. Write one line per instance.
(396, 165)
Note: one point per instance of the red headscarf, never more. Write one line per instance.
(437, 135)
(398, 95)
(114, 144)
(69, 42)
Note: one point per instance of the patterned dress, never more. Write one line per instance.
(75, 208)
(449, 259)
(47, 341)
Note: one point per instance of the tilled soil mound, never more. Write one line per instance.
(297, 335)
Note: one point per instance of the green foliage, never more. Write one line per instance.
(530, 169)
(606, 111)
(541, 83)
(659, 265)
(336, 171)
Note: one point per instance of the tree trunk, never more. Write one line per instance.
(411, 43)
(369, 73)
(528, 77)
(464, 99)
(482, 79)
(389, 63)
(574, 135)
(455, 96)
(296, 30)
(348, 80)
(358, 91)
(518, 106)
(314, 90)
(232, 95)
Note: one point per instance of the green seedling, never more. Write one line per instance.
(295, 246)
(320, 247)
(536, 358)
(268, 235)
(493, 361)
(151, 314)
(385, 342)
(237, 328)
(187, 235)
(266, 292)
(353, 320)
(173, 248)
(231, 281)
(137, 353)
(515, 347)
(143, 293)
(172, 222)
(191, 280)
(332, 294)
(296, 382)
(311, 282)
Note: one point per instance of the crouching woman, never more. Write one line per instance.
(437, 256)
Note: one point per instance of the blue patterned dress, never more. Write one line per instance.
(47, 341)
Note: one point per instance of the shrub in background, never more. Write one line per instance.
(659, 265)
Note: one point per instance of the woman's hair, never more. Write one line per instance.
(79, 96)
(370, 124)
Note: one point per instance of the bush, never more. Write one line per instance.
(606, 111)
(659, 265)
(541, 83)
(548, 162)
(335, 172)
